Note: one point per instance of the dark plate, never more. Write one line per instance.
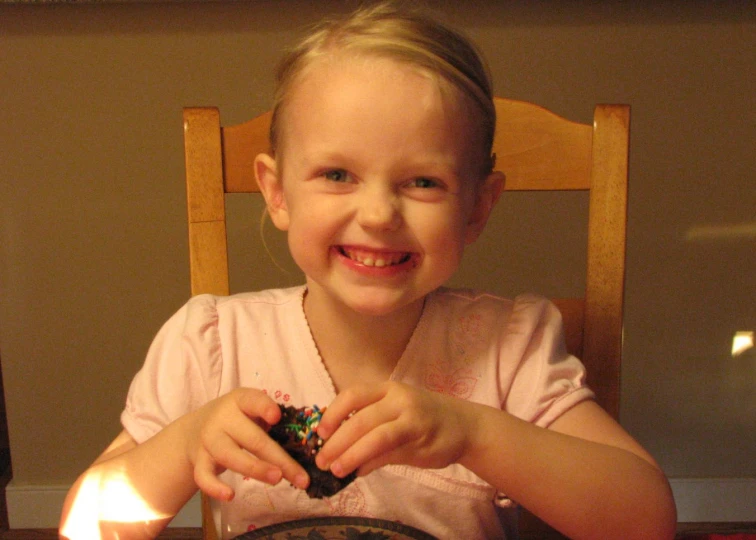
(341, 528)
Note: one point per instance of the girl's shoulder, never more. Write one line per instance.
(205, 314)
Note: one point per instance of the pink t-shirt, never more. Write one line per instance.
(502, 353)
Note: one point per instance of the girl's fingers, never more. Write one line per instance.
(380, 446)
(251, 452)
(405, 425)
(256, 442)
(346, 403)
(253, 437)
(208, 482)
(368, 433)
(235, 438)
(257, 406)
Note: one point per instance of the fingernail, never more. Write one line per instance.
(273, 476)
(321, 464)
(301, 481)
(337, 469)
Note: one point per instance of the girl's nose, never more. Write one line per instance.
(379, 210)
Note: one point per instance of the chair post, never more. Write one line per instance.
(602, 346)
(208, 254)
(208, 257)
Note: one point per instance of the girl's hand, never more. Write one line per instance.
(393, 424)
(230, 432)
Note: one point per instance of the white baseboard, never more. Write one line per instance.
(712, 500)
(699, 500)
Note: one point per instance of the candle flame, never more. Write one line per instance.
(102, 503)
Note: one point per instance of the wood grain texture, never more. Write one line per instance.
(539, 150)
(241, 144)
(605, 280)
(206, 206)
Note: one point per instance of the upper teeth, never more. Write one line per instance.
(374, 260)
(370, 262)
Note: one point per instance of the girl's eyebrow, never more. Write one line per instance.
(434, 161)
(320, 157)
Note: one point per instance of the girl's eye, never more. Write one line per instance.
(424, 183)
(336, 175)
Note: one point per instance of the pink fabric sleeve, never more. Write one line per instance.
(548, 380)
(181, 371)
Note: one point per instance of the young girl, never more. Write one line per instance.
(460, 402)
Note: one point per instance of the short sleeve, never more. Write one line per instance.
(181, 371)
(548, 381)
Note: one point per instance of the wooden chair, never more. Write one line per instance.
(536, 149)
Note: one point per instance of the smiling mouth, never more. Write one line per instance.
(373, 258)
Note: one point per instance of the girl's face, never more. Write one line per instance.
(375, 183)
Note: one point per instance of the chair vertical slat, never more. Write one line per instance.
(209, 527)
(602, 343)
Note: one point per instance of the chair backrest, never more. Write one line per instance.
(537, 151)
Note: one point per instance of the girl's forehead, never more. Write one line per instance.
(379, 91)
(362, 97)
(362, 64)
(339, 79)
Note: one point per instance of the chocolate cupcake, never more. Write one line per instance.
(296, 433)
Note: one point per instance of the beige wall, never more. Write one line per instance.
(92, 231)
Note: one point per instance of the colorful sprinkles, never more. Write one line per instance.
(304, 425)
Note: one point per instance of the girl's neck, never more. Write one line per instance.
(356, 347)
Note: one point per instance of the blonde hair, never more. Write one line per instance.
(402, 34)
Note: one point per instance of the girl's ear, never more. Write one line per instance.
(485, 200)
(266, 173)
